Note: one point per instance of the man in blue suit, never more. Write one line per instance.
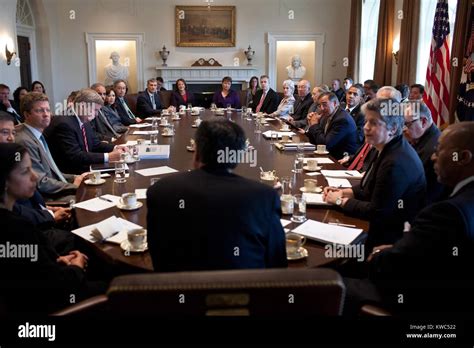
(333, 127)
(148, 102)
(210, 218)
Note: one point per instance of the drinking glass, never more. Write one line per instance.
(258, 126)
(286, 198)
(299, 209)
(120, 172)
(274, 137)
(299, 163)
(134, 152)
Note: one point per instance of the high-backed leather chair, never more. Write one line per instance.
(131, 100)
(268, 292)
(165, 98)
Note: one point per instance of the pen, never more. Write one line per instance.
(105, 199)
(338, 224)
(103, 240)
(349, 174)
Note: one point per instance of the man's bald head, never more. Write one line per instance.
(303, 88)
(454, 158)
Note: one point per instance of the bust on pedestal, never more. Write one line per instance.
(115, 71)
(296, 70)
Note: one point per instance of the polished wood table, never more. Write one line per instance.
(268, 157)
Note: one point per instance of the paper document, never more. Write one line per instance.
(268, 134)
(97, 204)
(284, 222)
(314, 199)
(328, 233)
(141, 193)
(111, 225)
(134, 142)
(146, 132)
(154, 151)
(348, 174)
(335, 182)
(140, 125)
(156, 171)
(321, 160)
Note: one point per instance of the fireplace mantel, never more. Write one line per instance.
(205, 74)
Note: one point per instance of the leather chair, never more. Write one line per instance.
(269, 292)
(131, 100)
(165, 98)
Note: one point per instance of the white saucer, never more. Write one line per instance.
(318, 189)
(168, 135)
(176, 119)
(125, 207)
(89, 182)
(125, 245)
(195, 113)
(190, 149)
(302, 253)
(312, 170)
(285, 130)
(164, 125)
(321, 153)
(195, 125)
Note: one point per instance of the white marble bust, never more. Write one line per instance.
(296, 70)
(115, 71)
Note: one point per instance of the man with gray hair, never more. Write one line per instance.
(389, 92)
(423, 135)
(302, 104)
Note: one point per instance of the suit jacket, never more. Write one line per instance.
(34, 287)
(145, 107)
(270, 103)
(301, 108)
(16, 116)
(177, 99)
(437, 252)
(31, 209)
(120, 109)
(229, 222)
(425, 147)
(340, 137)
(114, 119)
(391, 192)
(103, 128)
(67, 146)
(48, 179)
(359, 120)
(341, 95)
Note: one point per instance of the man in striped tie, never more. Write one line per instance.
(37, 114)
(127, 117)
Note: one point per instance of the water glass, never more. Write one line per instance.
(274, 137)
(299, 163)
(120, 172)
(134, 152)
(299, 209)
(258, 126)
(213, 107)
(154, 137)
(154, 122)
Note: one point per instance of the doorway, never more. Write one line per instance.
(24, 49)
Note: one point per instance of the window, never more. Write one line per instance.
(368, 39)
(427, 12)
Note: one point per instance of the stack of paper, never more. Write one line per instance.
(294, 146)
(335, 182)
(140, 125)
(154, 151)
(314, 199)
(156, 171)
(146, 132)
(112, 230)
(348, 174)
(328, 233)
(268, 134)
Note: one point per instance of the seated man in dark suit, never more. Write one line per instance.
(302, 104)
(72, 141)
(423, 135)
(7, 104)
(127, 117)
(333, 127)
(210, 218)
(265, 100)
(338, 91)
(148, 102)
(431, 266)
(354, 101)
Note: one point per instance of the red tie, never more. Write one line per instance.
(259, 106)
(84, 137)
(358, 162)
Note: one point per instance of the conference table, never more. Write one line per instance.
(268, 157)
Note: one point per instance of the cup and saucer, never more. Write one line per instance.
(175, 118)
(136, 241)
(311, 186)
(167, 134)
(94, 179)
(129, 201)
(321, 150)
(192, 146)
(294, 246)
(317, 189)
(301, 253)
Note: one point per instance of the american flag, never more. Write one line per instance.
(436, 94)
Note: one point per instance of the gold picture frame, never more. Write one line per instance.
(201, 26)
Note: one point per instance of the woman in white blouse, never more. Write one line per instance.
(287, 102)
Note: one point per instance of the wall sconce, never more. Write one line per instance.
(396, 49)
(9, 55)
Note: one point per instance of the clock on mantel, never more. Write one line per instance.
(209, 62)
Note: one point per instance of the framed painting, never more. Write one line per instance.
(202, 26)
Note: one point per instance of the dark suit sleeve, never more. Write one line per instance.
(275, 101)
(338, 129)
(276, 250)
(37, 217)
(174, 101)
(144, 109)
(70, 148)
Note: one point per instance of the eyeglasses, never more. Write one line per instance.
(7, 132)
(408, 124)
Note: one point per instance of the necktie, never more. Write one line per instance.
(129, 112)
(259, 106)
(84, 137)
(54, 167)
(152, 97)
(358, 162)
(326, 126)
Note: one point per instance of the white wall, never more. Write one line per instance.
(62, 51)
(9, 74)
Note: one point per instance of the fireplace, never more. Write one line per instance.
(203, 92)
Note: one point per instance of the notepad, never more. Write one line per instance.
(314, 199)
(347, 174)
(96, 204)
(146, 132)
(335, 182)
(321, 160)
(268, 134)
(156, 171)
(113, 229)
(328, 233)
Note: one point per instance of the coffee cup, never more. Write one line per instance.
(321, 148)
(285, 138)
(129, 199)
(94, 176)
(310, 184)
(285, 127)
(164, 120)
(294, 242)
(137, 238)
(269, 175)
(312, 164)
